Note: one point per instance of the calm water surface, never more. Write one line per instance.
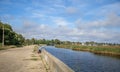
(81, 61)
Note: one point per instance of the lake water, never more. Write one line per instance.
(81, 61)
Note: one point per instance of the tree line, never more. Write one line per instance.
(13, 38)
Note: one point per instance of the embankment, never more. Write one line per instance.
(54, 63)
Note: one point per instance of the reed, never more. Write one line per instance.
(112, 50)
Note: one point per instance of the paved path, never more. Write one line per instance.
(20, 60)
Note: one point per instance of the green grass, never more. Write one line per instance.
(7, 47)
(96, 49)
(32, 55)
(35, 48)
(34, 59)
(2, 48)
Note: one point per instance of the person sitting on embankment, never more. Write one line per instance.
(40, 49)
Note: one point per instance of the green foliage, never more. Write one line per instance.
(95, 49)
(10, 37)
(42, 41)
(34, 59)
(8, 27)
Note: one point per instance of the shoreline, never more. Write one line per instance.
(102, 53)
(95, 50)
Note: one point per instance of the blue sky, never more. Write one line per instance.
(73, 20)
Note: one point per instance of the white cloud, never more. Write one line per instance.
(97, 30)
(71, 10)
(28, 24)
(111, 20)
(59, 6)
(42, 26)
(59, 21)
(105, 10)
(107, 29)
(38, 15)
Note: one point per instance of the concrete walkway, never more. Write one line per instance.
(21, 60)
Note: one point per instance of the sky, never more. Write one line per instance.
(71, 20)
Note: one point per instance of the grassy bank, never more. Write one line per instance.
(109, 50)
(7, 47)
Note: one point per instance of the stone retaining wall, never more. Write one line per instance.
(54, 63)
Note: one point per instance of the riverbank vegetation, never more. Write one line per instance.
(109, 50)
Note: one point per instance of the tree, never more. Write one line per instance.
(10, 37)
(8, 27)
(56, 41)
(20, 39)
(33, 40)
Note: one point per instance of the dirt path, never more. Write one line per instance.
(20, 60)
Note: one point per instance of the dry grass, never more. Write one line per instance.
(7, 47)
(115, 50)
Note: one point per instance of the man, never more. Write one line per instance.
(40, 49)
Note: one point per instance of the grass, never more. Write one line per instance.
(7, 47)
(34, 59)
(35, 48)
(32, 55)
(2, 48)
(111, 50)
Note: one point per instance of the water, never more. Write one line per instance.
(81, 61)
